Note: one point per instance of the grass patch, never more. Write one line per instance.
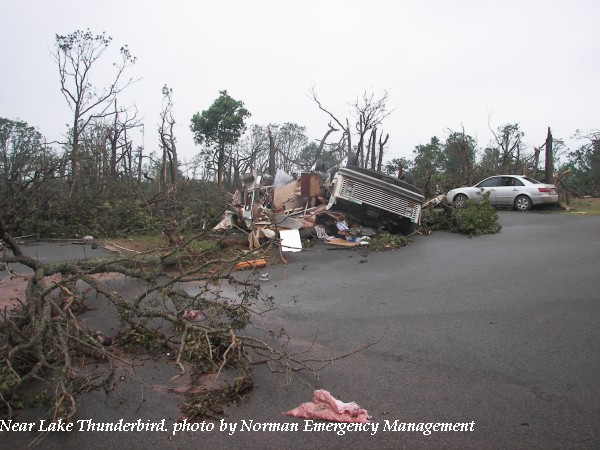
(588, 205)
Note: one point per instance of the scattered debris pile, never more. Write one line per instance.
(345, 206)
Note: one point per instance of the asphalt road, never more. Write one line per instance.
(500, 330)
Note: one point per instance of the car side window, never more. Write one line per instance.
(511, 181)
(490, 182)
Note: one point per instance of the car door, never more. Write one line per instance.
(488, 187)
(507, 191)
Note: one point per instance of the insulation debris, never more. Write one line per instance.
(253, 264)
(326, 407)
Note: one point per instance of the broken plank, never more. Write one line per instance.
(342, 243)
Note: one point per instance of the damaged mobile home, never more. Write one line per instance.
(349, 201)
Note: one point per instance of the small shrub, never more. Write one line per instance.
(476, 219)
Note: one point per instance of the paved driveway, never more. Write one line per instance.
(503, 330)
(500, 330)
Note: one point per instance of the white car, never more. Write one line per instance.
(506, 190)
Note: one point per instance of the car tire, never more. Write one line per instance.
(522, 203)
(460, 201)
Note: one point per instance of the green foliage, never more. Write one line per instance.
(219, 126)
(508, 147)
(142, 340)
(306, 158)
(476, 219)
(222, 123)
(460, 150)
(585, 165)
(35, 197)
(428, 165)
(29, 174)
(386, 241)
(391, 167)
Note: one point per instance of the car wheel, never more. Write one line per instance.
(460, 201)
(522, 203)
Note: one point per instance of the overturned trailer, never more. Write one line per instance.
(375, 199)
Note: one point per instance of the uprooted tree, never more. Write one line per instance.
(43, 342)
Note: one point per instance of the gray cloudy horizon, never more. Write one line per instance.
(446, 65)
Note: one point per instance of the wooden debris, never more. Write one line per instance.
(342, 242)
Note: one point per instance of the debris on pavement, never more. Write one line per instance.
(264, 277)
(290, 240)
(342, 242)
(325, 406)
(344, 206)
(192, 315)
(255, 263)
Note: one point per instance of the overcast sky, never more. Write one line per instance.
(445, 64)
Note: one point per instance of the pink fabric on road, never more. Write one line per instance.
(326, 407)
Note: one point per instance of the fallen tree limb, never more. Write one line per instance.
(43, 339)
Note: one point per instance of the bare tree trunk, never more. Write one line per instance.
(140, 159)
(114, 137)
(272, 168)
(74, 157)
(163, 169)
(549, 158)
(319, 150)
(221, 165)
(373, 142)
(360, 152)
(381, 147)
(349, 137)
(174, 162)
(236, 170)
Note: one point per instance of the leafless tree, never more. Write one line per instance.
(345, 128)
(253, 149)
(121, 146)
(368, 112)
(77, 55)
(510, 146)
(382, 143)
(319, 151)
(167, 138)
